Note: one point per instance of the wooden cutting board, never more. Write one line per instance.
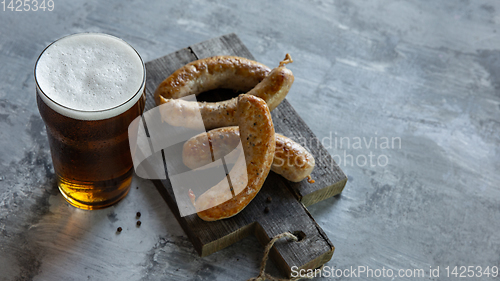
(287, 210)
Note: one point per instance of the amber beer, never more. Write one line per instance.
(90, 87)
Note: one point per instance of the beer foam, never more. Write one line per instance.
(90, 76)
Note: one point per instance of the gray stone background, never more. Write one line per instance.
(427, 72)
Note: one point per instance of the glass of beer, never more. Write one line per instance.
(90, 87)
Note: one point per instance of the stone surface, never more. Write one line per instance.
(424, 73)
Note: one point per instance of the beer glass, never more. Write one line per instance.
(90, 87)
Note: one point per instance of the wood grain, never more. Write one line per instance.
(286, 212)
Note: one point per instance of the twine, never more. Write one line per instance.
(266, 276)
